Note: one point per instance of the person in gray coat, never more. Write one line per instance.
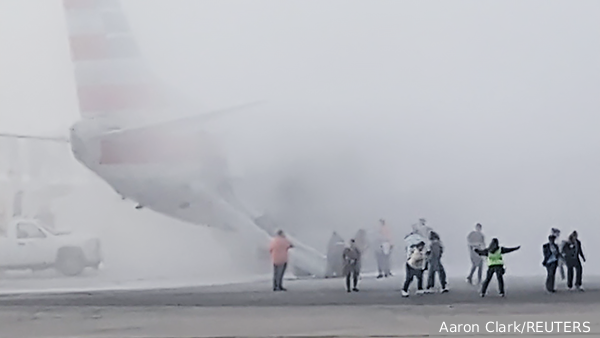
(352, 265)
(435, 263)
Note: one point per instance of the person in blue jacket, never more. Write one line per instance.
(552, 257)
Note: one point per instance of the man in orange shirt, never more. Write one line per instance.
(279, 255)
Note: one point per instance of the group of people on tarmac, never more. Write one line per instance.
(352, 256)
(424, 251)
(381, 242)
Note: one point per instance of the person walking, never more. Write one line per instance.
(384, 250)
(572, 252)
(279, 248)
(551, 259)
(335, 250)
(495, 264)
(352, 265)
(476, 240)
(435, 263)
(561, 259)
(414, 268)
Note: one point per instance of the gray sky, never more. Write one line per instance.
(458, 111)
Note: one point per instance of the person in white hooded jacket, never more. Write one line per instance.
(414, 268)
(420, 232)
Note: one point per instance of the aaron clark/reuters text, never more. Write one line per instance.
(519, 327)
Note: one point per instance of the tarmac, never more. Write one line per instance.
(310, 308)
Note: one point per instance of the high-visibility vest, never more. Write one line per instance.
(495, 258)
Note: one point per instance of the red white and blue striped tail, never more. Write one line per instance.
(115, 84)
(111, 76)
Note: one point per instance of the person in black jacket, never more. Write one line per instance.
(436, 250)
(495, 264)
(572, 251)
(351, 258)
(551, 259)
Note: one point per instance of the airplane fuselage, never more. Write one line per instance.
(173, 173)
(191, 185)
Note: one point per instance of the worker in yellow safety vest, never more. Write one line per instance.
(495, 264)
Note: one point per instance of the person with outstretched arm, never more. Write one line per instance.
(495, 264)
(279, 248)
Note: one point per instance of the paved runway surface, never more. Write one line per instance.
(310, 308)
(314, 293)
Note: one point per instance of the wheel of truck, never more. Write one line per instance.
(70, 261)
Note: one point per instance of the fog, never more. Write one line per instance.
(459, 112)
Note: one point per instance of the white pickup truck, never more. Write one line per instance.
(28, 245)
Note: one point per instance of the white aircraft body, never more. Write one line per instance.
(139, 139)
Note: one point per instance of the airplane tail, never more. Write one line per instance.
(110, 74)
(143, 121)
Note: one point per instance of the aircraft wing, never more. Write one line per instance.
(185, 123)
(34, 137)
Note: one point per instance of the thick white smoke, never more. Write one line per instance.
(389, 110)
